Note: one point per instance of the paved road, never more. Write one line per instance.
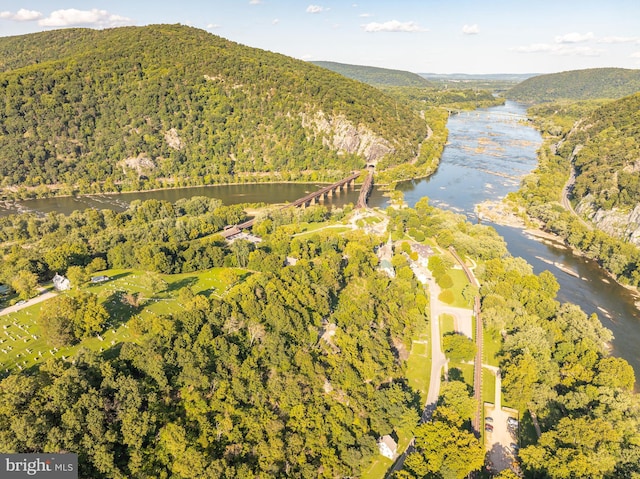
(438, 359)
(564, 199)
(32, 301)
(498, 442)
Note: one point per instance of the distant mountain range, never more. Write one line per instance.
(376, 76)
(170, 102)
(513, 77)
(577, 85)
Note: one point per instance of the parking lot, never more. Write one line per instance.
(501, 431)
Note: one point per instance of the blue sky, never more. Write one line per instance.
(439, 36)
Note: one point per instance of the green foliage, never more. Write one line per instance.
(555, 364)
(67, 319)
(142, 107)
(603, 147)
(240, 385)
(444, 280)
(577, 85)
(376, 76)
(447, 296)
(444, 450)
(25, 283)
(458, 347)
(456, 396)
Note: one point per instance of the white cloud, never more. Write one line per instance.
(559, 49)
(255, 2)
(275, 21)
(94, 17)
(619, 40)
(22, 15)
(635, 55)
(574, 37)
(365, 15)
(315, 9)
(211, 26)
(471, 29)
(392, 26)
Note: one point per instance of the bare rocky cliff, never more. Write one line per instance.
(618, 223)
(338, 133)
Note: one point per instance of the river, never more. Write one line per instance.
(487, 153)
(269, 193)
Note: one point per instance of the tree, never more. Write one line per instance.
(96, 264)
(57, 321)
(576, 447)
(25, 283)
(90, 315)
(456, 395)
(77, 276)
(458, 347)
(445, 450)
(154, 282)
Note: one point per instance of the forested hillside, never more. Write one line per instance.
(113, 109)
(606, 155)
(376, 76)
(577, 85)
(600, 142)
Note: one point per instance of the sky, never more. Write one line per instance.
(421, 36)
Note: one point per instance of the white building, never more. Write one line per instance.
(60, 283)
(388, 447)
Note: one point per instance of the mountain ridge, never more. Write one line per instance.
(585, 84)
(375, 75)
(92, 102)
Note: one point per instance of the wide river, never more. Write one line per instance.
(487, 154)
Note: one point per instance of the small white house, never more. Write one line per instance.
(60, 283)
(388, 447)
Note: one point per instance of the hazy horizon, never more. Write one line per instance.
(490, 37)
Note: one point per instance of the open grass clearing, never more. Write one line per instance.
(459, 283)
(22, 345)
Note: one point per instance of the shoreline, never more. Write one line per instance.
(151, 190)
(503, 214)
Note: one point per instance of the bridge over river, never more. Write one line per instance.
(313, 198)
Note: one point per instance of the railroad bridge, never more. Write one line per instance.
(308, 200)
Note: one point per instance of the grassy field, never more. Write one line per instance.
(488, 386)
(419, 368)
(459, 283)
(446, 324)
(490, 348)
(22, 345)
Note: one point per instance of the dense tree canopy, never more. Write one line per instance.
(125, 107)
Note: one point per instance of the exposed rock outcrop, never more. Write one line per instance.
(340, 134)
(141, 164)
(173, 139)
(618, 223)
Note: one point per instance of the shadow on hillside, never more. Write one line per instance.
(183, 283)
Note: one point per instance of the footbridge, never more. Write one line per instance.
(310, 199)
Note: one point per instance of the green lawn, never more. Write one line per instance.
(22, 345)
(378, 468)
(459, 282)
(488, 386)
(419, 368)
(446, 324)
(490, 348)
